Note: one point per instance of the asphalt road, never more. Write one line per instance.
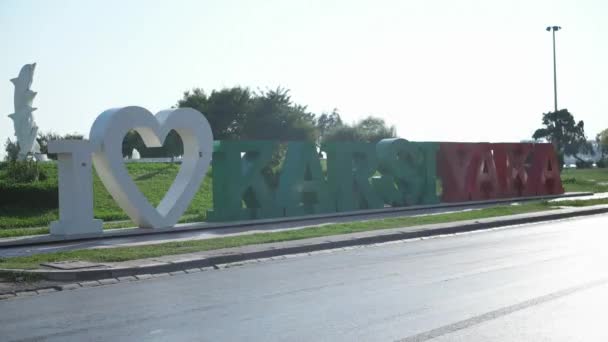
(542, 282)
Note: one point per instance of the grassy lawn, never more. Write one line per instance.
(154, 179)
(594, 180)
(149, 251)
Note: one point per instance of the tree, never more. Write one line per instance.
(327, 122)
(564, 133)
(172, 146)
(129, 142)
(375, 129)
(12, 150)
(44, 138)
(370, 129)
(237, 113)
(273, 116)
(602, 141)
(224, 109)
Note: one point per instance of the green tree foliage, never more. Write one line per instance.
(172, 147)
(327, 122)
(237, 113)
(343, 133)
(602, 140)
(225, 109)
(44, 138)
(25, 171)
(370, 129)
(273, 116)
(564, 133)
(240, 114)
(12, 150)
(375, 129)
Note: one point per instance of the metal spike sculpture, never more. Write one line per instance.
(23, 119)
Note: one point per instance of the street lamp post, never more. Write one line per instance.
(553, 29)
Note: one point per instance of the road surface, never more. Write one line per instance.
(541, 282)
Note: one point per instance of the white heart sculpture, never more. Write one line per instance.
(108, 132)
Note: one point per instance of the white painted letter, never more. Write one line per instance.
(75, 189)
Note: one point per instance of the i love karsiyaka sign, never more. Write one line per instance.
(359, 175)
(105, 150)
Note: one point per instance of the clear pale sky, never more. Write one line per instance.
(439, 70)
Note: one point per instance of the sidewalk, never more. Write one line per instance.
(252, 253)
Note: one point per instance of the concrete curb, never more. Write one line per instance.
(196, 226)
(270, 250)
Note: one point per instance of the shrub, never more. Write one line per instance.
(30, 195)
(583, 164)
(602, 163)
(569, 180)
(24, 172)
(12, 150)
(27, 184)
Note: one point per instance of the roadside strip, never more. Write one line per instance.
(198, 226)
(213, 258)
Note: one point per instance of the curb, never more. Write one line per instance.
(101, 282)
(264, 251)
(197, 226)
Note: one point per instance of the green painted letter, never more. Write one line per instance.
(408, 172)
(349, 168)
(237, 179)
(302, 187)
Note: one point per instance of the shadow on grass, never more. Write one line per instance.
(150, 175)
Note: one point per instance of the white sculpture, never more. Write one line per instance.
(135, 154)
(23, 119)
(107, 135)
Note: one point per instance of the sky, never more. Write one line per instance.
(467, 70)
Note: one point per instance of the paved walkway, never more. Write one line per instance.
(598, 195)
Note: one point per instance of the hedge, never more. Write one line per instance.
(30, 195)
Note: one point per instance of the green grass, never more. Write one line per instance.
(594, 180)
(19, 217)
(182, 247)
(153, 179)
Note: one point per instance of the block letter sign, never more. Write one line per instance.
(350, 165)
(454, 164)
(544, 173)
(237, 178)
(75, 189)
(360, 175)
(512, 168)
(302, 187)
(482, 179)
(408, 172)
(108, 131)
